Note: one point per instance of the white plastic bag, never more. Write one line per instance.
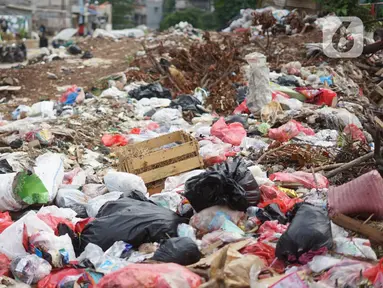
(7, 199)
(166, 115)
(50, 169)
(321, 263)
(356, 247)
(66, 213)
(94, 190)
(95, 204)
(169, 200)
(68, 197)
(124, 182)
(12, 237)
(177, 183)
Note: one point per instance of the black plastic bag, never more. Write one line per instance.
(181, 250)
(74, 50)
(188, 103)
(309, 230)
(132, 221)
(270, 213)
(150, 91)
(230, 183)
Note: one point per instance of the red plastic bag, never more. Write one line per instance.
(242, 108)
(153, 126)
(262, 250)
(80, 225)
(4, 265)
(5, 221)
(136, 131)
(114, 140)
(151, 276)
(70, 90)
(53, 279)
(271, 194)
(354, 133)
(268, 230)
(289, 130)
(53, 221)
(232, 133)
(307, 179)
(326, 97)
(275, 95)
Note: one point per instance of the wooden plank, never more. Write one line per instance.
(159, 141)
(163, 155)
(170, 170)
(346, 222)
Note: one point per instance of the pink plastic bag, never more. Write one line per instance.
(114, 140)
(354, 133)
(229, 133)
(289, 130)
(5, 221)
(242, 108)
(167, 275)
(362, 196)
(307, 179)
(269, 229)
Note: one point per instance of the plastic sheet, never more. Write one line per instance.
(355, 247)
(151, 275)
(321, 263)
(230, 183)
(305, 178)
(229, 133)
(169, 200)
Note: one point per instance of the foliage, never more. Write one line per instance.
(169, 6)
(227, 10)
(350, 8)
(121, 10)
(191, 15)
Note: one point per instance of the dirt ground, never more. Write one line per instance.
(109, 57)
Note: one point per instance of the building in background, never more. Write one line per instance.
(148, 12)
(206, 5)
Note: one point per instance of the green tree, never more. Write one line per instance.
(227, 10)
(122, 11)
(191, 15)
(169, 7)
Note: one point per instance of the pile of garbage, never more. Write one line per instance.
(11, 53)
(195, 168)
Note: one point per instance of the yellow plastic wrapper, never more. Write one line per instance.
(290, 192)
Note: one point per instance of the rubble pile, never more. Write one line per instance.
(198, 166)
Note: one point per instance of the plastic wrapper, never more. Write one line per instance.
(230, 183)
(169, 200)
(273, 195)
(346, 199)
(310, 230)
(55, 211)
(372, 272)
(57, 250)
(289, 130)
(5, 221)
(220, 235)
(271, 231)
(114, 140)
(305, 178)
(166, 116)
(321, 263)
(30, 269)
(202, 221)
(182, 250)
(67, 197)
(94, 190)
(75, 177)
(229, 133)
(95, 204)
(132, 221)
(55, 278)
(124, 182)
(185, 230)
(353, 132)
(262, 250)
(345, 274)
(177, 183)
(355, 247)
(151, 275)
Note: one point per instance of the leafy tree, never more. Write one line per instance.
(227, 10)
(350, 8)
(121, 10)
(169, 6)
